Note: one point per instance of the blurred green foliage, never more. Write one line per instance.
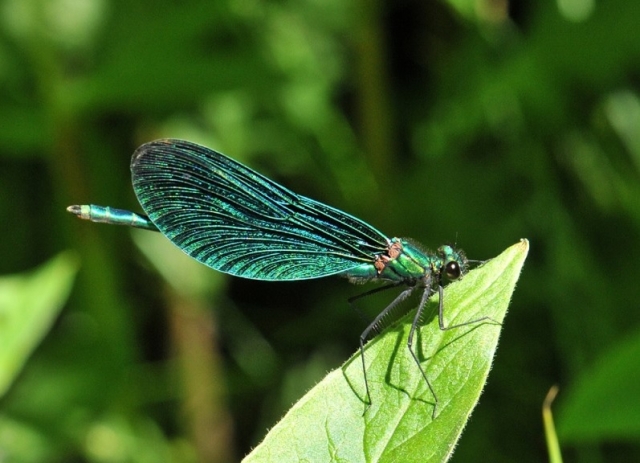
(477, 122)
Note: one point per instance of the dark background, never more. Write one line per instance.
(471, 122)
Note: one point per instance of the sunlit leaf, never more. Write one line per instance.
(328, 424)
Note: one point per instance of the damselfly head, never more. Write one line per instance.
(454, 262)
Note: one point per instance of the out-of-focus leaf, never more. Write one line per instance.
(604, 402)
(28, 305)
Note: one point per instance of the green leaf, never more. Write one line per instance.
(603, 404)
(328, 423)
(29, 304)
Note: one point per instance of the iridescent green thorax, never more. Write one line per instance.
(406, 262)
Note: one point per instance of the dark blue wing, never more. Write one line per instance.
(234, 220)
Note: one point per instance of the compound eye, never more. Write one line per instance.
(452, 270)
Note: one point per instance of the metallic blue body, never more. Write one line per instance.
(111, 215)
